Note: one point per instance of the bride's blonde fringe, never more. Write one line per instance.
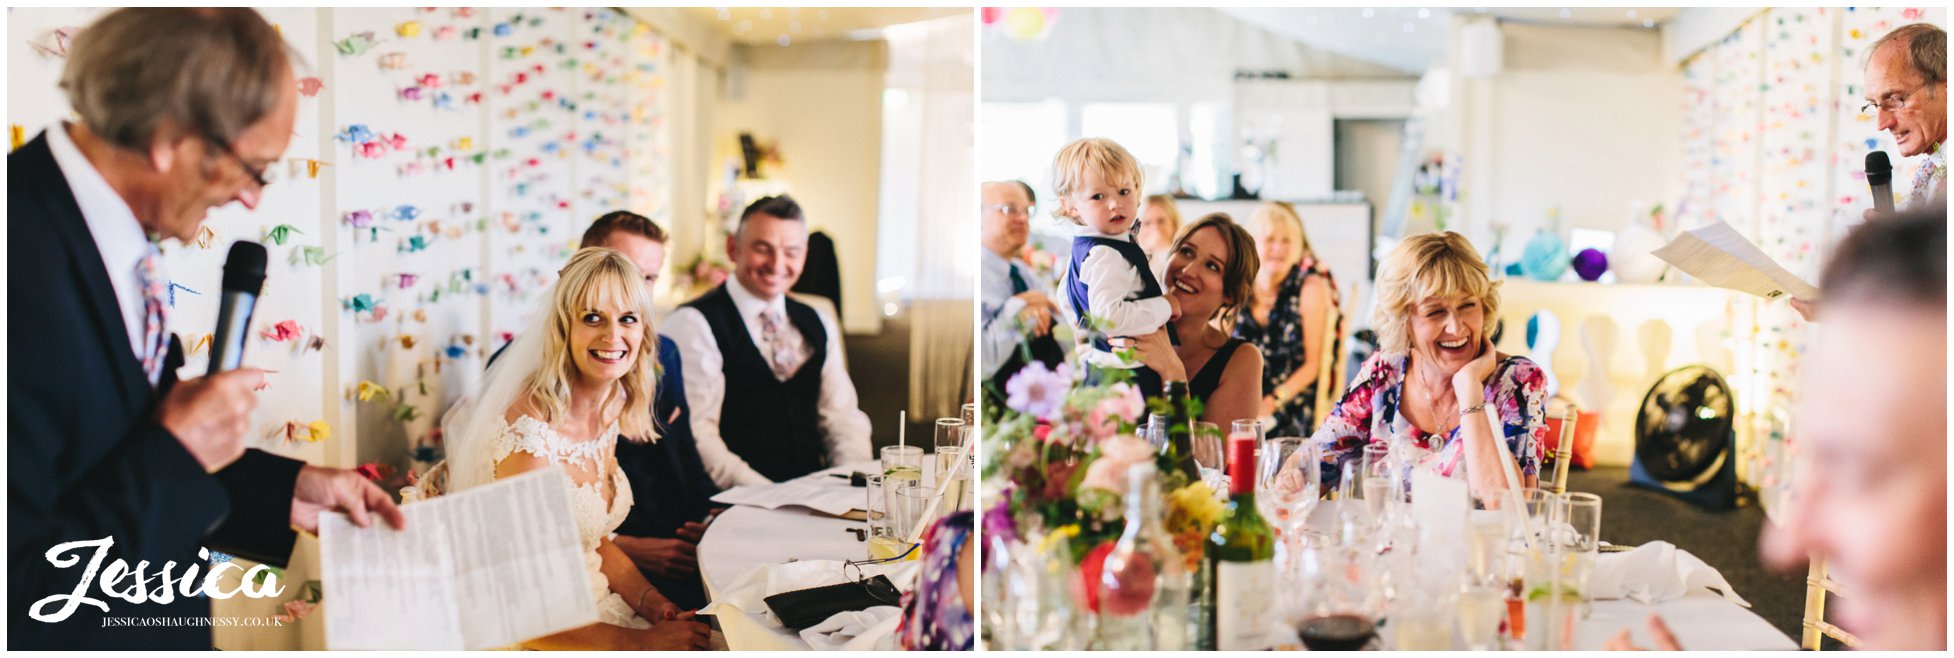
(595, 276)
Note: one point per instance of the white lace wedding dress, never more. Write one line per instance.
(590, 464)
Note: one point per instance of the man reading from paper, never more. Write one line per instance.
(770, 394)
(1906, 93)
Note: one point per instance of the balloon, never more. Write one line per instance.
(1545, 258)
(1590, 264)
(1634, 260)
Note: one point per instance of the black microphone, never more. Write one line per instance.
(1879, 174)
(244, 277)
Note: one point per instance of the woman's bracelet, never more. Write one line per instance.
(641, 598)
(1472, 409)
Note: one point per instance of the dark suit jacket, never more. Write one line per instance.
(86, 458)
(668, 480)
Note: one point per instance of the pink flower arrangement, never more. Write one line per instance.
(1117, 455)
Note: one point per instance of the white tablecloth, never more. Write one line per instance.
(744, 538)
(1702, 620)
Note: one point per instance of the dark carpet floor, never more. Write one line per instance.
(1725, 540)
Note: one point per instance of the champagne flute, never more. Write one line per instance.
(949, 434)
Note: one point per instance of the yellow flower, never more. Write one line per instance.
(319, 430)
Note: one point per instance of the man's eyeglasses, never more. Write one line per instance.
(262, 177)
(1890, 103)
(1012, 209)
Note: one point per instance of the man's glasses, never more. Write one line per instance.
(1890, 103)
(1011, 209)
(262, 177)
(878, 587)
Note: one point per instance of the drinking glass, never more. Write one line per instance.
(910, 509)
(950, 466)
(1422, 615)
(902, 462)
(1286, 487)
(949, 434)
(1331, 602)
(1374, 482)
(882, 540)
(1155, 431)
(969, 414)
(1210, 458)
(1581, 516)
(1480, 609)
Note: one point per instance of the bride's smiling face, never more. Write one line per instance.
(604, 339)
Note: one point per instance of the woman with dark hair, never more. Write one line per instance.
(1209, 269)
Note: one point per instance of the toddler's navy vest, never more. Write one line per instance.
(1075, 289)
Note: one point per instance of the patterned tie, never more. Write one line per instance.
(1018, 285)
(155, 311)
(773, 330)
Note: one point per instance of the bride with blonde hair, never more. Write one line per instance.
(574, 381)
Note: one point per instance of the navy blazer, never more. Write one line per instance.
(668, 479)
(86, 458)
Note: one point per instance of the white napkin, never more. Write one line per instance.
(865, 630)
(1656, 571)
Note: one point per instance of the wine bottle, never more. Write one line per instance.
(1242, 552)
(1144, 584)
(1179, 448)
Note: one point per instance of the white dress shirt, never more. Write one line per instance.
(118, 236)
(1110, 280)
(1001, 329)
(843, 425)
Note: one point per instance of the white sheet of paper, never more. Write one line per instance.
(476, 569)
(1722, 257)
(816, 491)
(1439, 505)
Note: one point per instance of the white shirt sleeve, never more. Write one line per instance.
(843, 425)
(705, 390)
(1109, 279)
(1002, 333)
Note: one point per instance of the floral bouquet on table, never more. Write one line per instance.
(1058, 454)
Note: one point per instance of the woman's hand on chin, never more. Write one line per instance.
(1157, 352)
(1473, 376)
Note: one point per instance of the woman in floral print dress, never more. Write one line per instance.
(1436, 371)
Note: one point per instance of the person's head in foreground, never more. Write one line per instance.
(1434, 301)
(1098, 185)
(599, 335)
(770, 247)
(1871, 495)
(1160, 221)
(181, 109)
(1007, 216)
(1210, 269)
(635, 236)
(1906, 77)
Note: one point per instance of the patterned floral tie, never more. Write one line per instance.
(773, 330)
(155, 311)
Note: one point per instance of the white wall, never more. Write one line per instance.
(1584, 119)
(822, 102)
